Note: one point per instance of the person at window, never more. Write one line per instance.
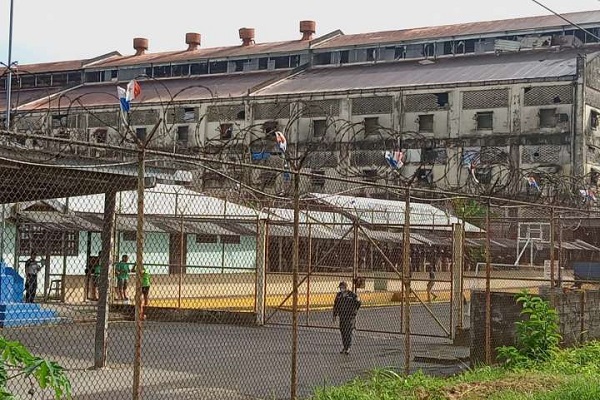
(32, 267)
(345, 307)
(122, 272)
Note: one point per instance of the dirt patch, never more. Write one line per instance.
(481, 390)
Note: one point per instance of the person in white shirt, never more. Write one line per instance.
(32, 267)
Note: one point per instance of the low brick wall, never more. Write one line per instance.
(579, 315)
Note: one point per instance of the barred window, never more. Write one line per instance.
(372, 105)
(269, 111)
(34, 238)
(225, 112)
(548, 154)
(484, 99)
(322, 108)
(426, 102)
(547, 95)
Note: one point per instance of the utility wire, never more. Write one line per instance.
(567, 20)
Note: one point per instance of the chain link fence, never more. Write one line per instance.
(195, 290)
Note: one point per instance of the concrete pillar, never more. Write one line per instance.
(457, 279)
(261, 271)
(104, 286)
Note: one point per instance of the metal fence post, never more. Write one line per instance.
(104, 286)
(261, 269)
(406, 279)
(295, 260)
(457, 275)
(488, 294)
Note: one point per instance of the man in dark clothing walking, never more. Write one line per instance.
(345, 306)
(32, 267)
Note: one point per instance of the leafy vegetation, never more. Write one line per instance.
(537, 335)
(534, 369)
(17, 362)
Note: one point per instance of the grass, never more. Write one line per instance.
(573, 374)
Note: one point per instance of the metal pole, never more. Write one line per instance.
(552, 239)
(560, 239)
(139, 265)
(181, 262)
(9, 66)
(309, 272)
(295, 255)
(355, 260)
(2, 235)
(406, 280)
(488, 294)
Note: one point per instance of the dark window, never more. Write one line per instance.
(485, 120)
(317, 179)
(281, 62)
(430, 156)
(230, 239)
(28, 81)
(189, 114)
(199, 69)
(148, 71)
(101, 135)
(323, 58)
(129, 236)
(217, 67)
(183, 132)
(448, 47)
(372, 54)
(484, 175)
(94, 76)
(162, 71)
(369, 175)
(140, 133)
(428, 50)
(426, 123)
(114, 73)
(59, 120)
(59, 79)
(470, 46)
(206, 238)
(263, 63)
(344, 57)
(425, 175)
(270, 126)
(371, 125)
(595, 120)
(294, 61)
(43, 80)
(548, 118)
(239, 65)
(74, 77)
(3, 83)
(400, 53)
(319, 127)
(442, 99)
(241, 115)
(181, 70)
(226, 131)
(33, 238)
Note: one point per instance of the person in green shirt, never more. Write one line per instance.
(122, 273)
(145, 289)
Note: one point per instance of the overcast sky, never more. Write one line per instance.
(56, 30)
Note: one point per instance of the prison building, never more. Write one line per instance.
(518, 98)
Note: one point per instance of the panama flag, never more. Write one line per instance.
(588, 194)
(127, 95)
(394, 158)
(281, 141)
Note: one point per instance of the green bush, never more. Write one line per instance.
(16, 361)
(537, 335)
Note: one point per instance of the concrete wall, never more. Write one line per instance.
(579, 314)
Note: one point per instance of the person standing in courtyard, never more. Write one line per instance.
(431, 283)
(32, 267)
(145, 290)
(96, 277)
(345, 306)
(122, 272)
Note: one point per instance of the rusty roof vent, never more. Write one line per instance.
(308, 29)
(193, 40)
(140, 45)
(247, 36)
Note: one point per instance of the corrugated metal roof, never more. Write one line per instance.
(62, 66)
(454, 70)
(207, 53)
(164, 200)
(24, 96)
(466, 29)
(184, 89)
(391, 212)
